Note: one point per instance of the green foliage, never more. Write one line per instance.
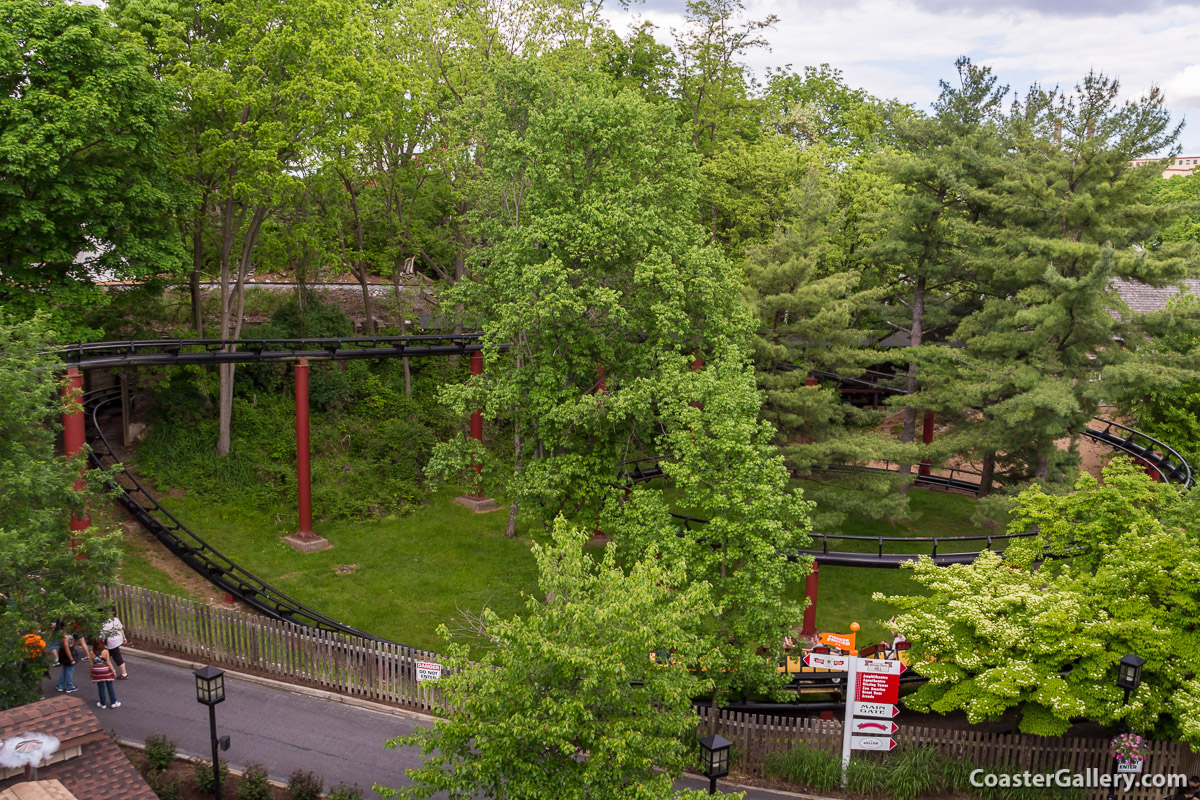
(41, 580)
(344, 792)
(1045, 636)
(905, 774)
(254, 783)
(816, 770)
(81, 161)
(160, 752)
(165, 786)
(369, 447)
(305, 785)
(203, 773)
(553, 711)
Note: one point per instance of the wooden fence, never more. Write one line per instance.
(386, 673)
(755, 736)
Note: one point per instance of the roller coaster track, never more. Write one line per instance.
(256, 593)
(198, 554)
(1167, 463)
(1161, 458)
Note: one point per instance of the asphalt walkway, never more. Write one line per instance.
(280, 726)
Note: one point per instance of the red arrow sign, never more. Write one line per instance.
(825, 661)
(872, 687)
(875, 726)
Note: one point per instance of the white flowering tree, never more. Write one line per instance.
(1045, 636)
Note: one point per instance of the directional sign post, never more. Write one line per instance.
(872, 690)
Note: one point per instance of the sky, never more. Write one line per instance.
(901, 48)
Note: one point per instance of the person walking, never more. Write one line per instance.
(103, 675)
(66, 660)
(113, 633)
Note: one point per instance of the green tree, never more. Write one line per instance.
(85, 195)
(1066, 217)
(570, 700)
(41, 579)
(1045, 636)
(597, 275)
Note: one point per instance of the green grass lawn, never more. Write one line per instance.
(442, 564)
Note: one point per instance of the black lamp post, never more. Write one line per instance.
(1129, 677)
(714, 759)
(210, 690)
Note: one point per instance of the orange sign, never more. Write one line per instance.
(843, 641)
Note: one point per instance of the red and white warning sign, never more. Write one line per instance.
(428, 671)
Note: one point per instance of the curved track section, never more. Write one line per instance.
(198, 554)
(869, 551)
(1158, 457)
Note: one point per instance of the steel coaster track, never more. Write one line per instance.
(650, 468)
(1166, 461)
(143, 352)
(198, 554)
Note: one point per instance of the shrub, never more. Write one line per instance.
(204, 776)
(254, 785)
(818, 770)
(866, 777)
(305, 785)
(165, 786)
(160, 752)
(344, 792)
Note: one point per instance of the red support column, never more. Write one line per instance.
(926, 438)
(303, 539)
(477, 414)
(303, 467)
(476, 501)
(74, 437)
(810, 613)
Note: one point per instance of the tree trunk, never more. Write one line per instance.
(988, 472)
(916, 335)
(233, 308)
(510, 529)
(197, 267)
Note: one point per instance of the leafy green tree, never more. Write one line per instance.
(569, 700)
(1066, 218)
(41, 578)
(85, 195)
(597, 275)
(1045, 636)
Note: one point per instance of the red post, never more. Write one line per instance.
(74, 437)
(303, 472)
(601, 383)
(810, 613)
(926, 438)
(477, 414)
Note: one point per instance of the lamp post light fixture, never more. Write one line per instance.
(1129, 678)
(714, 759)
(1129, 674)
(210, 690)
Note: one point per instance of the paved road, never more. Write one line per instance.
(281, 729)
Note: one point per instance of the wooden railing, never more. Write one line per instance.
(755, 736)
(386, 673)
(350, 665)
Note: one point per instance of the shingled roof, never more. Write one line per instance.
(98, 771)
(1143, 299)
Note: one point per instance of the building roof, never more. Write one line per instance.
(93, 768)
(37, 790)
(1144, 299)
